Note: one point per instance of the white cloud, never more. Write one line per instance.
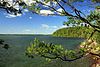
(30, 17)
(46, 12)
(12, 16)
(45, 26)
(18, 14)
(26, 10)
(54, 27)
(48, 28)
(29, 2)
(16, 6)
(63, 26)
(27, 30)
(60, 10)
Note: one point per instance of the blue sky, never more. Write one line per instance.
(29, 23)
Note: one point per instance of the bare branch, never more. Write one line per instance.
(92, 34)
(66, 13)
(73, 8)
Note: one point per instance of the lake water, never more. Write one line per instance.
(15, 55)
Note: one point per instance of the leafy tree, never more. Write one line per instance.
(79, 31)
(58, 8)
(51, 51)
(3, 45)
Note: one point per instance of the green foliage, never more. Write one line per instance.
(51, 51)
(35, 5)
(97, 7)
(90, 46)
(73, 21)
(3, 45)
(97, 37)
(96, 1)
(83, 32)
(56, 51)
(94, 17)
(80, 31)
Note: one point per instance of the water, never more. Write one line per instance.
(15, 55)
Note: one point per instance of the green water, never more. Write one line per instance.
(15, 55)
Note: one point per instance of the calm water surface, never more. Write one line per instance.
(15, 55)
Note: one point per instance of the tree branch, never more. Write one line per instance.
(92, 34)
(94, 54)
(79, 15)
(66, 13)
(65, 59)
(49, 6)
(73, 8)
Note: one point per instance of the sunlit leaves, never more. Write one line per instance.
(97, 7)
(78, 31)
(94, 18)
(91, 46)
(51, 51)
(98, 1)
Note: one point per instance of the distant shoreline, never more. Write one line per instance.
(40, 35)
(25, 34)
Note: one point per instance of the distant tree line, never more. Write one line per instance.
(82, 32)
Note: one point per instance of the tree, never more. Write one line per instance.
(51, 51)
(3, 45)
(58, 8)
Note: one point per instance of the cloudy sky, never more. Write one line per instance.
(29, 23)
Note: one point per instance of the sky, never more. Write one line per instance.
(29, 23)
